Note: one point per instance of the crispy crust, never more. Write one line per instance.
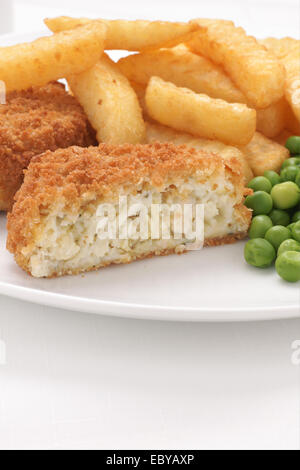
(77, 176)
(32, 122)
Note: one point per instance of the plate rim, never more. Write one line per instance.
(139, 311)
(147, 312)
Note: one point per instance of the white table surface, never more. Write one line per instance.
(77, 381)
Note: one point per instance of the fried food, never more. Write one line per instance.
(288, 51)
(264, 154)
(110, 103)
(183, 68)
(255, 71)
(2, 93)
(51, 58)
(159, 133)
(131, 35)
(293, 124)
(32, 122)
(140, 91)
(198, 114)
(283, 137)
(281, 47)
(54, 227)
(272, 120)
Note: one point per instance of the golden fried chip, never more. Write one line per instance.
(51, 58)
(280, 47)
(273, 120)
(197, 73)
(256, 72)
(288, 51)
(264, 154)
(183, 68)
(293, 124)
(159, 133)
(283, 137)
(140, 91)
(131, 35)
(65, 23)
(198, 114)
(110, 103)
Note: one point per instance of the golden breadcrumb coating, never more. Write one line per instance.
(32, 122)
(76, 179)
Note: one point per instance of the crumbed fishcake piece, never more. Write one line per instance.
(32, 122)
(53, 229)
(159, 133)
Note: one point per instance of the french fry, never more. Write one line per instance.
(273, 120)
(288, 51)
(159, 133)
(51, 58)
(140, 91)
(293, 124)
(283, 137)
(110, 103)
(264, 154)
(281, 47)
(171, 43)
(195, 72)
(65, 23)
(183, 68)
(131, 35)
(292, 84)
(255, 71)
(199, 114)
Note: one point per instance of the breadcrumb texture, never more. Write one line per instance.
(32, 122)
(264, 154)
(75, 181)
(159, 133)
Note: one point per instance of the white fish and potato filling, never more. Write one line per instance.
(56, 227)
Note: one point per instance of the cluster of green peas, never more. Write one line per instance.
(275, 229)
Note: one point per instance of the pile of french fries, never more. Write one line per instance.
(204, 83)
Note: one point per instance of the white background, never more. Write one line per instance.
(80, 381)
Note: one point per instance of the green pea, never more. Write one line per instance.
(297, 179)
(272, 176)
(290, 226)
(279, 217)
(260, 183)
(288, 245)
(289, 173)
(260, 202)
(259, 226)
(259, 253)
(296, 216)
(285, 195)
(288, 266)
(293, 144)
(296, 231)
(292, 161)
(276, 235)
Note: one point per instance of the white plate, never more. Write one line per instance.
(210, 285)
(214, 284)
